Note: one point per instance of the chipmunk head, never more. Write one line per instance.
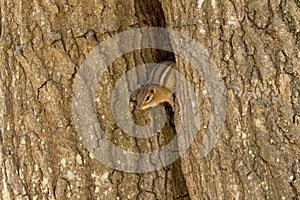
(151, 95)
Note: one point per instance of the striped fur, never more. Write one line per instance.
(162, 74)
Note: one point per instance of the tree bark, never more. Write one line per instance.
(254, 44)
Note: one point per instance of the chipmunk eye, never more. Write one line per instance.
(147, 99)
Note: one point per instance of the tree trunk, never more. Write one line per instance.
(254, 44)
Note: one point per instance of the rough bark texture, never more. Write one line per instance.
(255, 44)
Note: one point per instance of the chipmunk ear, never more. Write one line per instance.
(152, 90)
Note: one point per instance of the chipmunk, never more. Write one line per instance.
(159, 87)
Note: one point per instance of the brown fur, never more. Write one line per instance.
(157, 94)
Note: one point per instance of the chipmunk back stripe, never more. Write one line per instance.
(153, 73)
(165, 78)
(163, 74)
